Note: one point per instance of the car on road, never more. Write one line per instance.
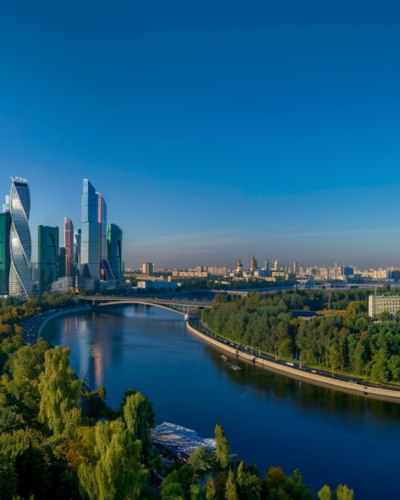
(314, 371)
(290, 364)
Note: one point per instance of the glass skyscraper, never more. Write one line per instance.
(5, 258)
(48, 250)
(20, 239)
(115, 251)
(90, 241)
(94, 235)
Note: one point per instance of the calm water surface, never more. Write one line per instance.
(269, 419)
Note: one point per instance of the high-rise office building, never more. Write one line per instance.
(115, 251)
(295, 267)
(266, 265)
(148, 269)
(253, 264)
(20, 239)
(78, 247)
(48, 255)
(61, 262)
(94, 249)
(5, 258)
(69, 247)
(90, 244)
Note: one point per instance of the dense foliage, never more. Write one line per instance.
(342, 338)
(59, 441)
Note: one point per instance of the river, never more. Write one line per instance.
(269, 419)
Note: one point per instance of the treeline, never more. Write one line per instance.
(13, 311)
(342, 338)
(56, 443)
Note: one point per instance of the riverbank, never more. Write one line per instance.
(361, 390)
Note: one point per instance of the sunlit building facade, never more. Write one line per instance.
(20, 239)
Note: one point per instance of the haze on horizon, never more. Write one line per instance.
(214, 131)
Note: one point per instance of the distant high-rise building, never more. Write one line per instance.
(276, 265)
(253, 264)
(6, 205)
(69, 247)
(5, 257)
(61, 262)
(148, 269)
(295, 267)
(20, 239)
(78, 247)
(266, 265)
(115, 251)
(48, 255)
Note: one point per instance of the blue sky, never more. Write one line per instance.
(213, 129)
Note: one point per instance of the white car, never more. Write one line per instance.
(314, 371)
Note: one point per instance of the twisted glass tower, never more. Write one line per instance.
(20, 239)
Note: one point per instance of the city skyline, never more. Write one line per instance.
(171, 112)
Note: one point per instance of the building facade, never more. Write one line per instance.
(69, 247)
(61, 262)
(5, 257)
(90, 244)
(20, 239)
(48, 255)
(115, 251)
(148, 268)
(378, 304)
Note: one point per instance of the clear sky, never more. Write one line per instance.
(214, 129)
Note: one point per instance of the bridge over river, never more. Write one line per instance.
(183, 306)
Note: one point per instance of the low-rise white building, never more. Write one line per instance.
(378, 304)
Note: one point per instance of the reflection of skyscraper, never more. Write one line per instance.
(69, 247)
(48, 251)
(5, 258)
(20, 239)
(115, 251)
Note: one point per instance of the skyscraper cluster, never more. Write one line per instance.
(91, 258)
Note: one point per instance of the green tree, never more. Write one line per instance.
(115, 473)
(200, 461)
(343, 493)
(325, 493)
(173, 491)
(286, 349)
(222, 448)
(230, 488)
(386, 316)
(60, 393)
(394, 367)
(139, 418)
(379, 371)
(335, 357)
(210, 489)
(8, 478)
